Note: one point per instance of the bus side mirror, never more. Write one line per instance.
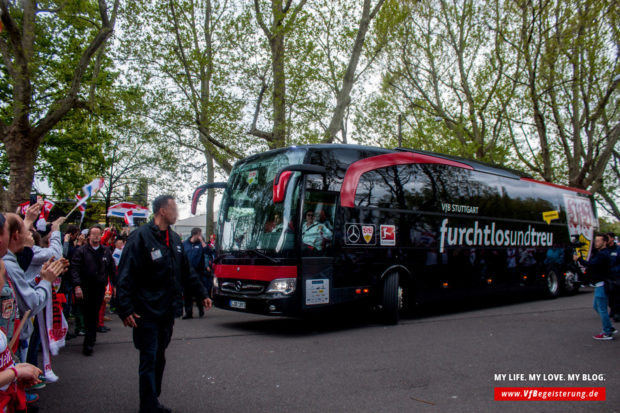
(284, 175)
(201, 190)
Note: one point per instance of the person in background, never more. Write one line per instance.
(40, 256)
(29, 297)
(598, 274)
(69, 246)
(13, 377)
(92, 266)
(195, 249)
(613, 286)
(119, 244)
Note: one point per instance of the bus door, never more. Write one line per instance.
(316, 248)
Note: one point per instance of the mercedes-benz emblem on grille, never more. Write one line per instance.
(238, 286)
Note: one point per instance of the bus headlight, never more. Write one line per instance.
(284, 286)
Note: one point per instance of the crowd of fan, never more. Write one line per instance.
(47, 278)
(39, 273)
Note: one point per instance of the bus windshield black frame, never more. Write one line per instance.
(248, 218)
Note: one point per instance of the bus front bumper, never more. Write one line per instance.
(262, 304)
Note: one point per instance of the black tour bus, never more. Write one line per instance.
(304, 228)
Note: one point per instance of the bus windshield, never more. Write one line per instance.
(249, 219)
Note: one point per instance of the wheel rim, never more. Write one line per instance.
(552, 283)
(400, 297)
(569, 283)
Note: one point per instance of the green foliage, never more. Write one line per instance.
(444, 78)
(72, 153)
(191, 77)
(606, 225)
(60, 37)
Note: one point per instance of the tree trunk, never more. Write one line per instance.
(21, 139)
(343, 99)
(279, 90)
(21, 151)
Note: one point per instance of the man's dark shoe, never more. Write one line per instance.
(87, 351)
(103, 329)
(186, 316)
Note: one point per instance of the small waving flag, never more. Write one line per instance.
(90, 190)
(81, 207)
(129, 218)
(45, 210)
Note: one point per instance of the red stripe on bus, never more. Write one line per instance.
(568, 188)
(255, 272)
(357, 169)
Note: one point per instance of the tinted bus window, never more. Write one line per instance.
(336, 161)
(521, 200)
(428, 188)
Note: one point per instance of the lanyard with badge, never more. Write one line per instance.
(156, 253)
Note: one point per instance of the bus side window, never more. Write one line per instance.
(318, 222)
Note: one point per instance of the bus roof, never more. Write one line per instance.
(475, 165)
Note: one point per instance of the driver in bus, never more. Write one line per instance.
(275, 225)
(314, 234)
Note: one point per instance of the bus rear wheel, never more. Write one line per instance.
(553, 283)
(392, 299)
(571, 284)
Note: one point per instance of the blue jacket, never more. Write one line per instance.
(597, 266)
(195, 253)
(614, 262)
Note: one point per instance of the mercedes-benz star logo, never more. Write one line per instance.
(238, 286)
(353, 234)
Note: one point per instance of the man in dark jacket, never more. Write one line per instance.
(613, 286)
(195, 248)
(92, 266)
(598, 274)
(152, 273)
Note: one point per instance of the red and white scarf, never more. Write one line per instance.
(53, 329)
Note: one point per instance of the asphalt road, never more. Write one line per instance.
(440, 361)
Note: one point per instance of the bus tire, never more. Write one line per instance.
(553, 283)
(570, 285)
(392, 298)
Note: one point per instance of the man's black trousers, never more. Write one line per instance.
(93, 297)
(613, 294)
(151, 337)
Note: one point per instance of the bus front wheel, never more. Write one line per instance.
(392, 298)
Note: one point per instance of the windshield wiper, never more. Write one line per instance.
(263, 255)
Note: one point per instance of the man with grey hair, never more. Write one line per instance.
(152, 273)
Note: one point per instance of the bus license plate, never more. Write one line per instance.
(237, 304)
